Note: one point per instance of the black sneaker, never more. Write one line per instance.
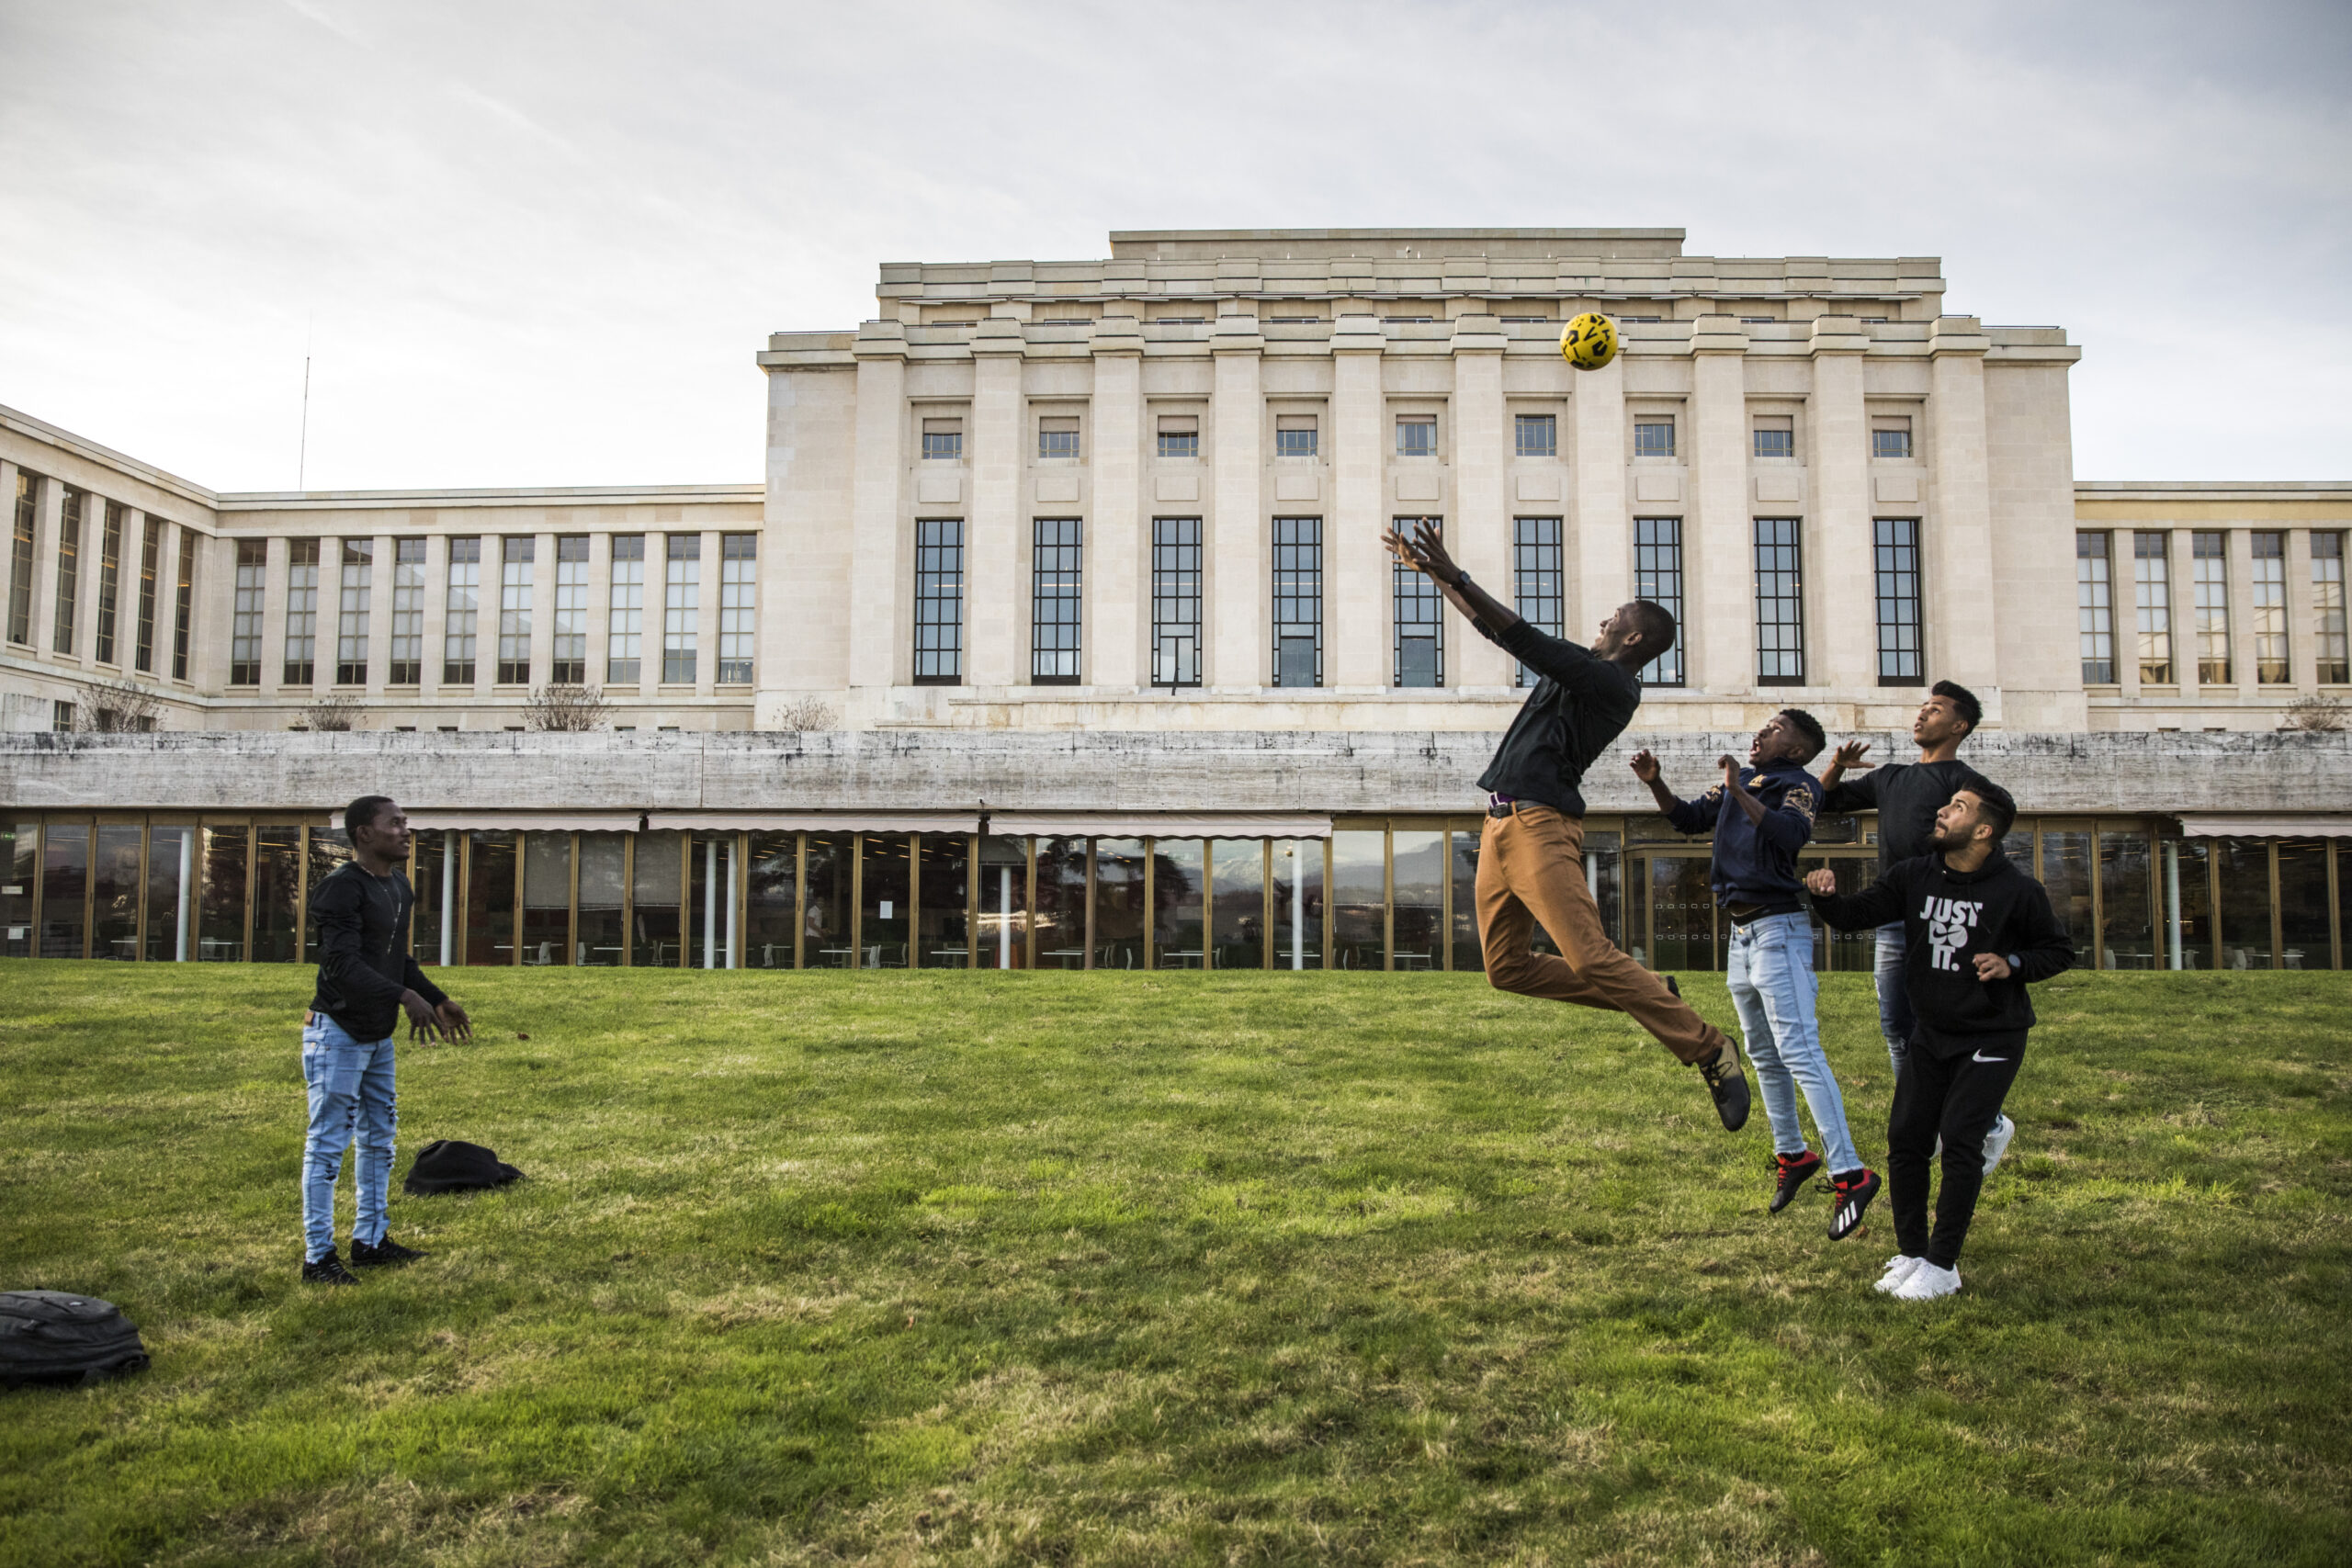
(1854, 1191)
(328, 1271)
(1790, 1173)
(384, 1251)
(1727, 1082)
(1671, 987)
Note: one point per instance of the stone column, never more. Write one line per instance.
(380, 575)
(1840, 551)
(995, 608)
(49, 511)
(1480, 529)
(875, 656)
(598, 612)
(8, 568)
(273, 609)
(86, 618)
(1719, 536)
(543, 608)
(2237, 545)
(434, 644)
(1961, 639)
(1355, 608)
(2303, 618)
(490, 593)
(707, 618)
(1239, 614)
(210, 602)
(1117, 618)
(1603, 557)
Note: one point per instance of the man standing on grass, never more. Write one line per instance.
(366, 978)
(1906, 797)
(1975, 932)
(1759, 825)
(1531, 857)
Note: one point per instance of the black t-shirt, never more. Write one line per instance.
(363, 960)
(1906, 797)
(1579, 704)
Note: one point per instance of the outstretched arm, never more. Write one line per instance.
(1688, 816)
(1426, 553)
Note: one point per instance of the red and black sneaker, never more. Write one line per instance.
(1853, 1192)
(1790, 1173)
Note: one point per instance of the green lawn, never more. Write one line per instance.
(1215, 1268)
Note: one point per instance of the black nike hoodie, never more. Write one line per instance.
(1950, 916)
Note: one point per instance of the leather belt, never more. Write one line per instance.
(1742, 913)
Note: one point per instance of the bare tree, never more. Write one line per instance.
(2325, 715)
(340, 711)
(565, 707)
(117, 708)
(806, 712)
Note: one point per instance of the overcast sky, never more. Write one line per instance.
(533, 243)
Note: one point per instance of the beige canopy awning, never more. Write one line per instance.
(1161, 825)
(817, 821)
(530, 822)
(2311, 827)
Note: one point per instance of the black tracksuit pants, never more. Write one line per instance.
(1957, 1098)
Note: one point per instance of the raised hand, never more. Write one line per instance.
(1646, 765)
(1851, 754)
(1823, 881)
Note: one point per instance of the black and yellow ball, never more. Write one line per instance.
(1589, 340)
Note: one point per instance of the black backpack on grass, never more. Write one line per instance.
(52, 1339)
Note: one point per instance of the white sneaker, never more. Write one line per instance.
(1927, 1282)
(1996, 1142)
(1899, 1269)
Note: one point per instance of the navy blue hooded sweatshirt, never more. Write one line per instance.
(1756, 863)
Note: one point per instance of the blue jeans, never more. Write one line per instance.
(1895, 1019)
(1772, 985)
(351, 1100)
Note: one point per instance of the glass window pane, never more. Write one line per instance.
(547, 898)
(1061, 903)
(1237, 889)
(2185, 895)
(657, 895)
(708, 870)
(1119, 903)
(490, 897)
(435, 877)
(1359, 899)
(824, 920)
(1848, 953)
(2126, 909)
(770, 892)
(2066, 872)
(1418, 859)
(604, 875)
(329, 849)
(1605, 860)
(2245, 865)
(277, 920)
(943, 940)
(114, 905)
(170, 865)
(1004, 903)
(19, 863)
(64, 880)
(220, 928)
(2302, 904)
(1682, 912)
(1463, 866)
(885, 922)
(1176, 932)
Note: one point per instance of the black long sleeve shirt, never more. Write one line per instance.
(1906, 797)
(364, 959)
(1949, 917)
(1581, 703)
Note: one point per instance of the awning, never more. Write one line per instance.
(2314, 827)
(529, 822)
(816, 822)
(1168, 825)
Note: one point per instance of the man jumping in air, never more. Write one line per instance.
(1975, 932)
(1759, 826)
(1531, 857)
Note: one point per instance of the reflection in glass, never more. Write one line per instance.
(115, 876)
(2302, 904)
(2245, 865)
(824, 920)
(1604, 873)
(1119, 903)
(64, 883)
(170, 866)
(1463, 868)
(1177, 866)
(2067, 874)
(1848, 953)
(488, 914)
(1418, 858)
(945, 886)
(329, 848)
(603, 874)
(1061, 904)
(433, 854)
(2127, 909)
(1359, 899)
(277, 888)
(656, 933)
(2189, 902)
(547, 898)
(885, 922)
(1238, 903)
(1004, 903)
(221, 928)
(711, 899)
(1682, 912)
(769, 895)
(19, 863)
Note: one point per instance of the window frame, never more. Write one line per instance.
(1414, 600)
(2095, 605)
(939, 582)
(1539, 579)
(1296, 575)
(1778, 558)
(1545, 450)
(1178, 563)
(1659, 576)
(1056, 601)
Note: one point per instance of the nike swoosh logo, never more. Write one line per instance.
(1981, 1057)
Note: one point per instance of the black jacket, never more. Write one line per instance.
(1948, 919)
(1906, 797)
(363, 960)
(1756, 863)
(1579, 704)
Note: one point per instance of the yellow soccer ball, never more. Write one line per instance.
(1589, 341)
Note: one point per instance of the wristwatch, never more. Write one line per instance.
(1460, 577)
(2015, 962)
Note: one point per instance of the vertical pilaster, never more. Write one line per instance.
(2302, 616)
(1480, 528)
(1113, 561)
(1840, 552)
(211, 604)
(1719, 543)
(273, 609)
(382, 572)
(2237, 545)
(1355, 614)
(543, 608)
(994, 606)
(94, 555)
(1604, 545)
(598, 613)
(1961, 639)
(707, 619)
(1239, 612)
(49, 508)
(433, 647)
(880, 420)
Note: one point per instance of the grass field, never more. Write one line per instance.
(1217, 1268)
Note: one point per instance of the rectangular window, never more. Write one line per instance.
(1657, 577)
(1779, 604)
(1537, 435)
(357, 586)
(245, 625)
(2327, 609)
(1902, 657)
(69, 570)
(300, 664)
(20, 558)
(109, 582)
(1058, 435)
(625, 612)
(2209, 581)
(2151, 598)
(61, 719)
(2095, 609)
(1891, 435)
(151, 564)
(1539, 578)
(939, 601)
(184, 604)
(681, 608)
(943, 440)
(568, 659)
(739, 571)
(407, 667)
(515, 561)
(1419, 613)
(1175, 601)
(1417, 436)
(1055, 617)
(1297, 436)
(1776, 436)
(1653, 437)
(2269, 592)
(463, 616)
(1298, 601)
(1180, 436)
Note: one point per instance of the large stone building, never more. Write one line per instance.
(1092, 547)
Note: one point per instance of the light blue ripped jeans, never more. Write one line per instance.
(1770, 972)
(351, 1100)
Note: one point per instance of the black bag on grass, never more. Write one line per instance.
(446, 1164)
(53, 1340)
